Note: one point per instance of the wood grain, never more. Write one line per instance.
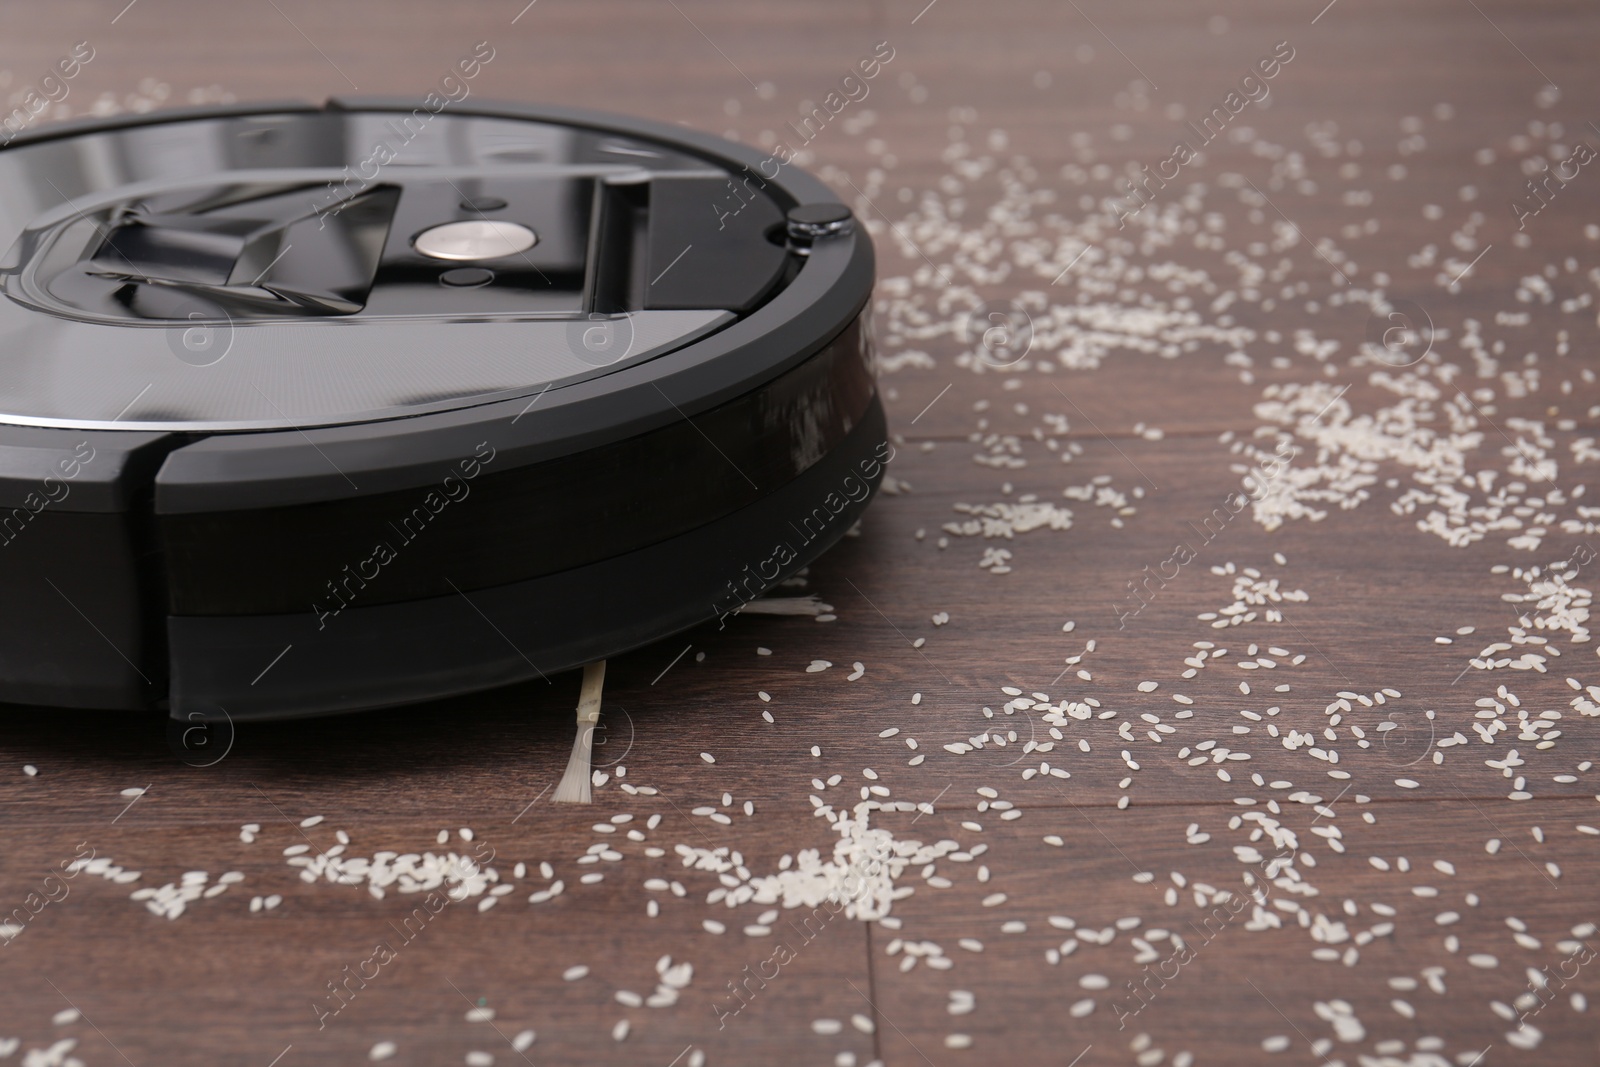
(220, 985)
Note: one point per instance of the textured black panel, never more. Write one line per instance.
(490, 526)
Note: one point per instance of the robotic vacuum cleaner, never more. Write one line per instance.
(314, 409)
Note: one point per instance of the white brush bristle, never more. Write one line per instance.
(574, 787)
(787, 605)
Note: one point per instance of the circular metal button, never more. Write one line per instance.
(810, 222)
(475, 239)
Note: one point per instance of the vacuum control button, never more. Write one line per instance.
(475, 239)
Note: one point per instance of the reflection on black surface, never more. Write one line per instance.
(233, 244)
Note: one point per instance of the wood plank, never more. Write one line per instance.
(1065, 89)
(1234, 984)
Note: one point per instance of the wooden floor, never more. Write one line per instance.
(1439, 896)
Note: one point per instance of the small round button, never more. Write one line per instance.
(466, 277)
(474, 239)
(809, 222)
(482, 203)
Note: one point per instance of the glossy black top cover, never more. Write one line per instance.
(182, 275)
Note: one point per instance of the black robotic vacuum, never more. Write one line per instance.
(314, 409)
